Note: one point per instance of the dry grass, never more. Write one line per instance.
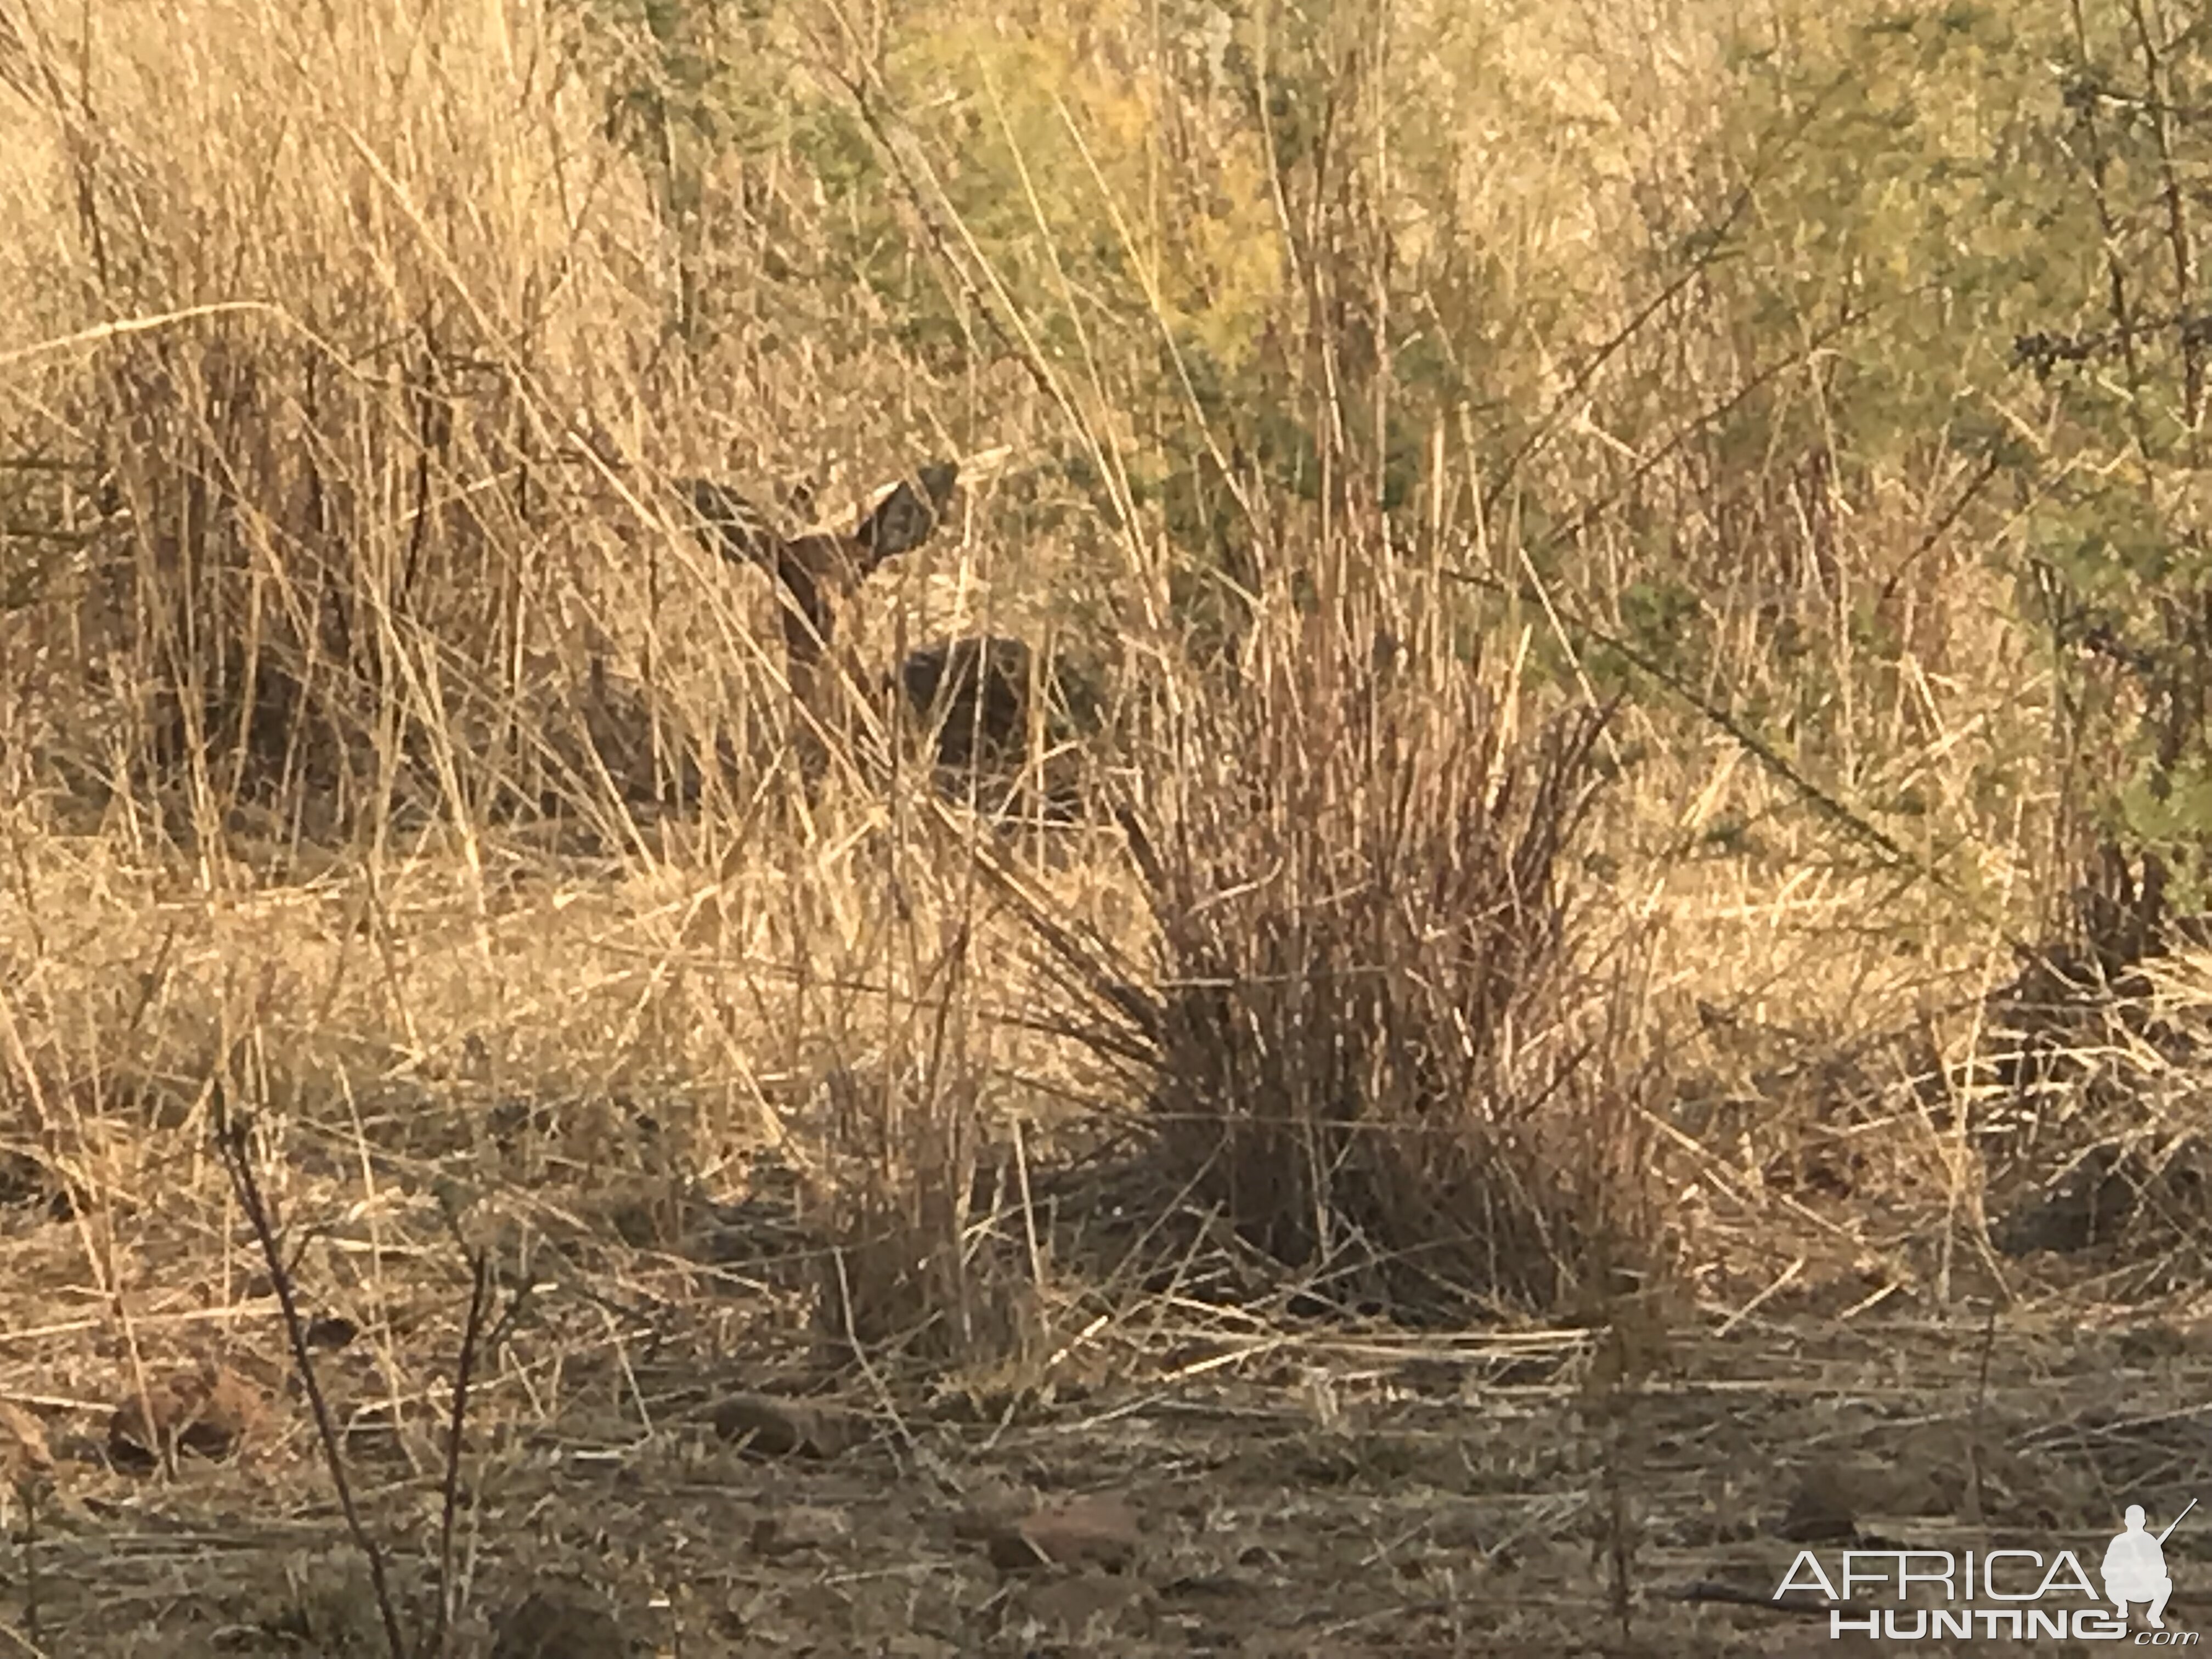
(1565, 803)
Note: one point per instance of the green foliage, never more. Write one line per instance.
(2119, 549)
(1655, 612)
(1915, 242)
(1899, 232)
(1924, 253)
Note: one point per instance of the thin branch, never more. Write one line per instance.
(231, 1134)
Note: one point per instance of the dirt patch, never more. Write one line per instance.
(1297, 1493)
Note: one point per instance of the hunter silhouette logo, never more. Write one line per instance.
(2135, 1566)
(2008, 1594)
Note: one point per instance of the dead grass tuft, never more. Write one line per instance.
(1372, 1053)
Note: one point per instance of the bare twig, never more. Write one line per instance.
(27, 1490)
(231, 1133)
(464, 1369)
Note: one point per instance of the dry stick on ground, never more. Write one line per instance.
(26, 1466)
(27, 1488)
(1972, 1510)
(1797, 1604)
(867, 1369)
(449, 1497)
(31, 1563)
(231, 1133)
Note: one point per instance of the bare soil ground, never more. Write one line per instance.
(1300, 1489)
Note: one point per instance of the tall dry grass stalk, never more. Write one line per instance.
(1378, 1057)
(318, 295)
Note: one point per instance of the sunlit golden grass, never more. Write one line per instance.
(1585, 753)
(365, 272)
(381, 743)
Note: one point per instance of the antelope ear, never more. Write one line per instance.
(904, 519)
(727, 524)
